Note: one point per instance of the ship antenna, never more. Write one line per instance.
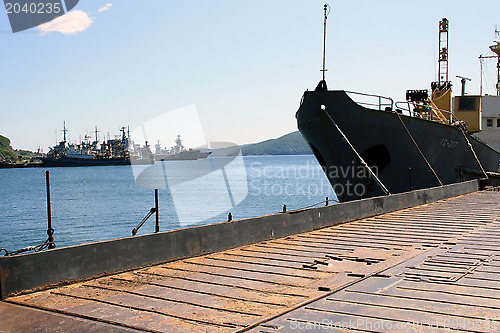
(96, 136)
(326, 9)
(64, 130)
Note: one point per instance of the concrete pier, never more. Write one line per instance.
(433, 267)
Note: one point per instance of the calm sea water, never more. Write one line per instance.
(99, 203)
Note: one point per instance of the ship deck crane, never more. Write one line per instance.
(441, 89)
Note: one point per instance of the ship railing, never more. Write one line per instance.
(410, 108)
(378, 101)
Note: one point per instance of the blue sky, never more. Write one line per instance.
(243, 64)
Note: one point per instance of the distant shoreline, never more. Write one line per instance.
(288, 144)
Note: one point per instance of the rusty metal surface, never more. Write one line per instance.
(18, 318)
(453, 285)
(436, 267)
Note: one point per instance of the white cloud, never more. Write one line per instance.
(71, 23)
(105, 8)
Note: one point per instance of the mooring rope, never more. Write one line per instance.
(418, 148)
(377, 180)
(35, 248)
(318, 203)
(474, 153)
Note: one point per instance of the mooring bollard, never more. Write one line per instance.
(284, 208)
(229, 217)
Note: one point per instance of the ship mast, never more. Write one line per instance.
(443, 51)
(441, 89)
(96, 134)
(496, 49)
(64, 130)
(326, 9)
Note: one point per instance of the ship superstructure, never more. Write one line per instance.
(485, 108)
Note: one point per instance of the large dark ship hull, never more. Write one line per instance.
(399, 159)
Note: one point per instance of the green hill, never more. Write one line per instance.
(6, 151)
(289, 144)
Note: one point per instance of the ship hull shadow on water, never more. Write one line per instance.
(386, 146)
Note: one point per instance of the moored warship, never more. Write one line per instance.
(177, 152)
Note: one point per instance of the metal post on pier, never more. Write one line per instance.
(50, 230)
(152, 211)
(157, 228)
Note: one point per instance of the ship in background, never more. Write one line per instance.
(118, 151)
(178, 152)
(393, 148)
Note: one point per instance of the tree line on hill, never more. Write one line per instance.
(11, 155)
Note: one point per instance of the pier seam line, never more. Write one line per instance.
(161, 298)
(225, 285)
(200, 292)
(81, 316)
(135, 308)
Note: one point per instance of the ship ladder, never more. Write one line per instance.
(420, 151)
(377, 180)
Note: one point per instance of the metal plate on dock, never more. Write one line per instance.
(430, 268)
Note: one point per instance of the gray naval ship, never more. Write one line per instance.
(177, 152)
(386, 147)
